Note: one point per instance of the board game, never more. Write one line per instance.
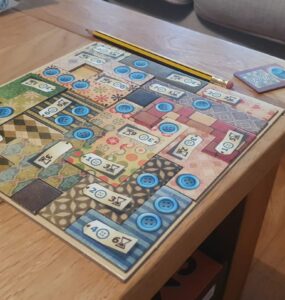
(110, 150)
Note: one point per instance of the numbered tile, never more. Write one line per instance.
(217, 95)
(52, 154)
(166, 91)
(100, 164)
(190, 81)
(259, 109)
(109, 237)
(55, 108)
(106, 196)
(39, 85)
(230, 143)
(186, 146)
(139, 135)
(109, 51)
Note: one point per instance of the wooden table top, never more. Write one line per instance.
(37, 265)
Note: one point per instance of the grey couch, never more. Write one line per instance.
(264, 18)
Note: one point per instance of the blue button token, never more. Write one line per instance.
(188, 181)
(51, 72)
(168, 128)
(80, 85)
(83, 134)
(64, 120)
(164, 107)
(122, 70)
(81, 111)
(65, 78)
(202, 104)
(141, 63)
(137, 76)
(166, 205)
(124, 108)
(147, 180)
(149, 222)
(6, 111)
(279, 72)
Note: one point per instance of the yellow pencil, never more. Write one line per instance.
(162, 59)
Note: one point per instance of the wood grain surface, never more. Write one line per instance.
(38, 265)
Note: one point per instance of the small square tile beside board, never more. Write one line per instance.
(110, 151)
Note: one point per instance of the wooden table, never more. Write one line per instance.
(37, 265)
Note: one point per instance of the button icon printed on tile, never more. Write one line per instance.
(188, 181)
(147, 180)
(149, 222)
(139, 135)
(106, 197)
(166, 205)
(81, 111)
(168, 128)
(101, 164)
(164, 107)
(141, 63)
(65, 78)
(109, 237)
(83, 134)
(6, 111)
(230, 142)
(64, 120)
(186, 146)
(55, 108)
(202, 104)
(124, 108)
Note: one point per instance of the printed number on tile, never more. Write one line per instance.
(39, 85)
(107, 50)
(186, 146)
(91, 59)
(139, 135)
(109, 237)
(101, 164)
(221, 96)
(166, 90)
(106, 197)
(230, 143)
(55, 108)
(52, 154)
(119, 85)
(184, 79)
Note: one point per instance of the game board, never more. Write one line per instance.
(110, 150)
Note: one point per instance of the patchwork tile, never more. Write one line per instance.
(35, 196)
(187, 82)
(252, 106)
(218, 110)
(145, 239)
(103, 90)
(194, 161)
(116, 115)
(126, 150)
(22, 153)
(4, 164)
(141, 97)
(77, 108)
(25, 127)
(74, 203)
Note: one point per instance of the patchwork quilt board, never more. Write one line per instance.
(110, 150)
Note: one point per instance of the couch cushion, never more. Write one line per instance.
(260, 17)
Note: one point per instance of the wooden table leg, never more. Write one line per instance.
(255, 207)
